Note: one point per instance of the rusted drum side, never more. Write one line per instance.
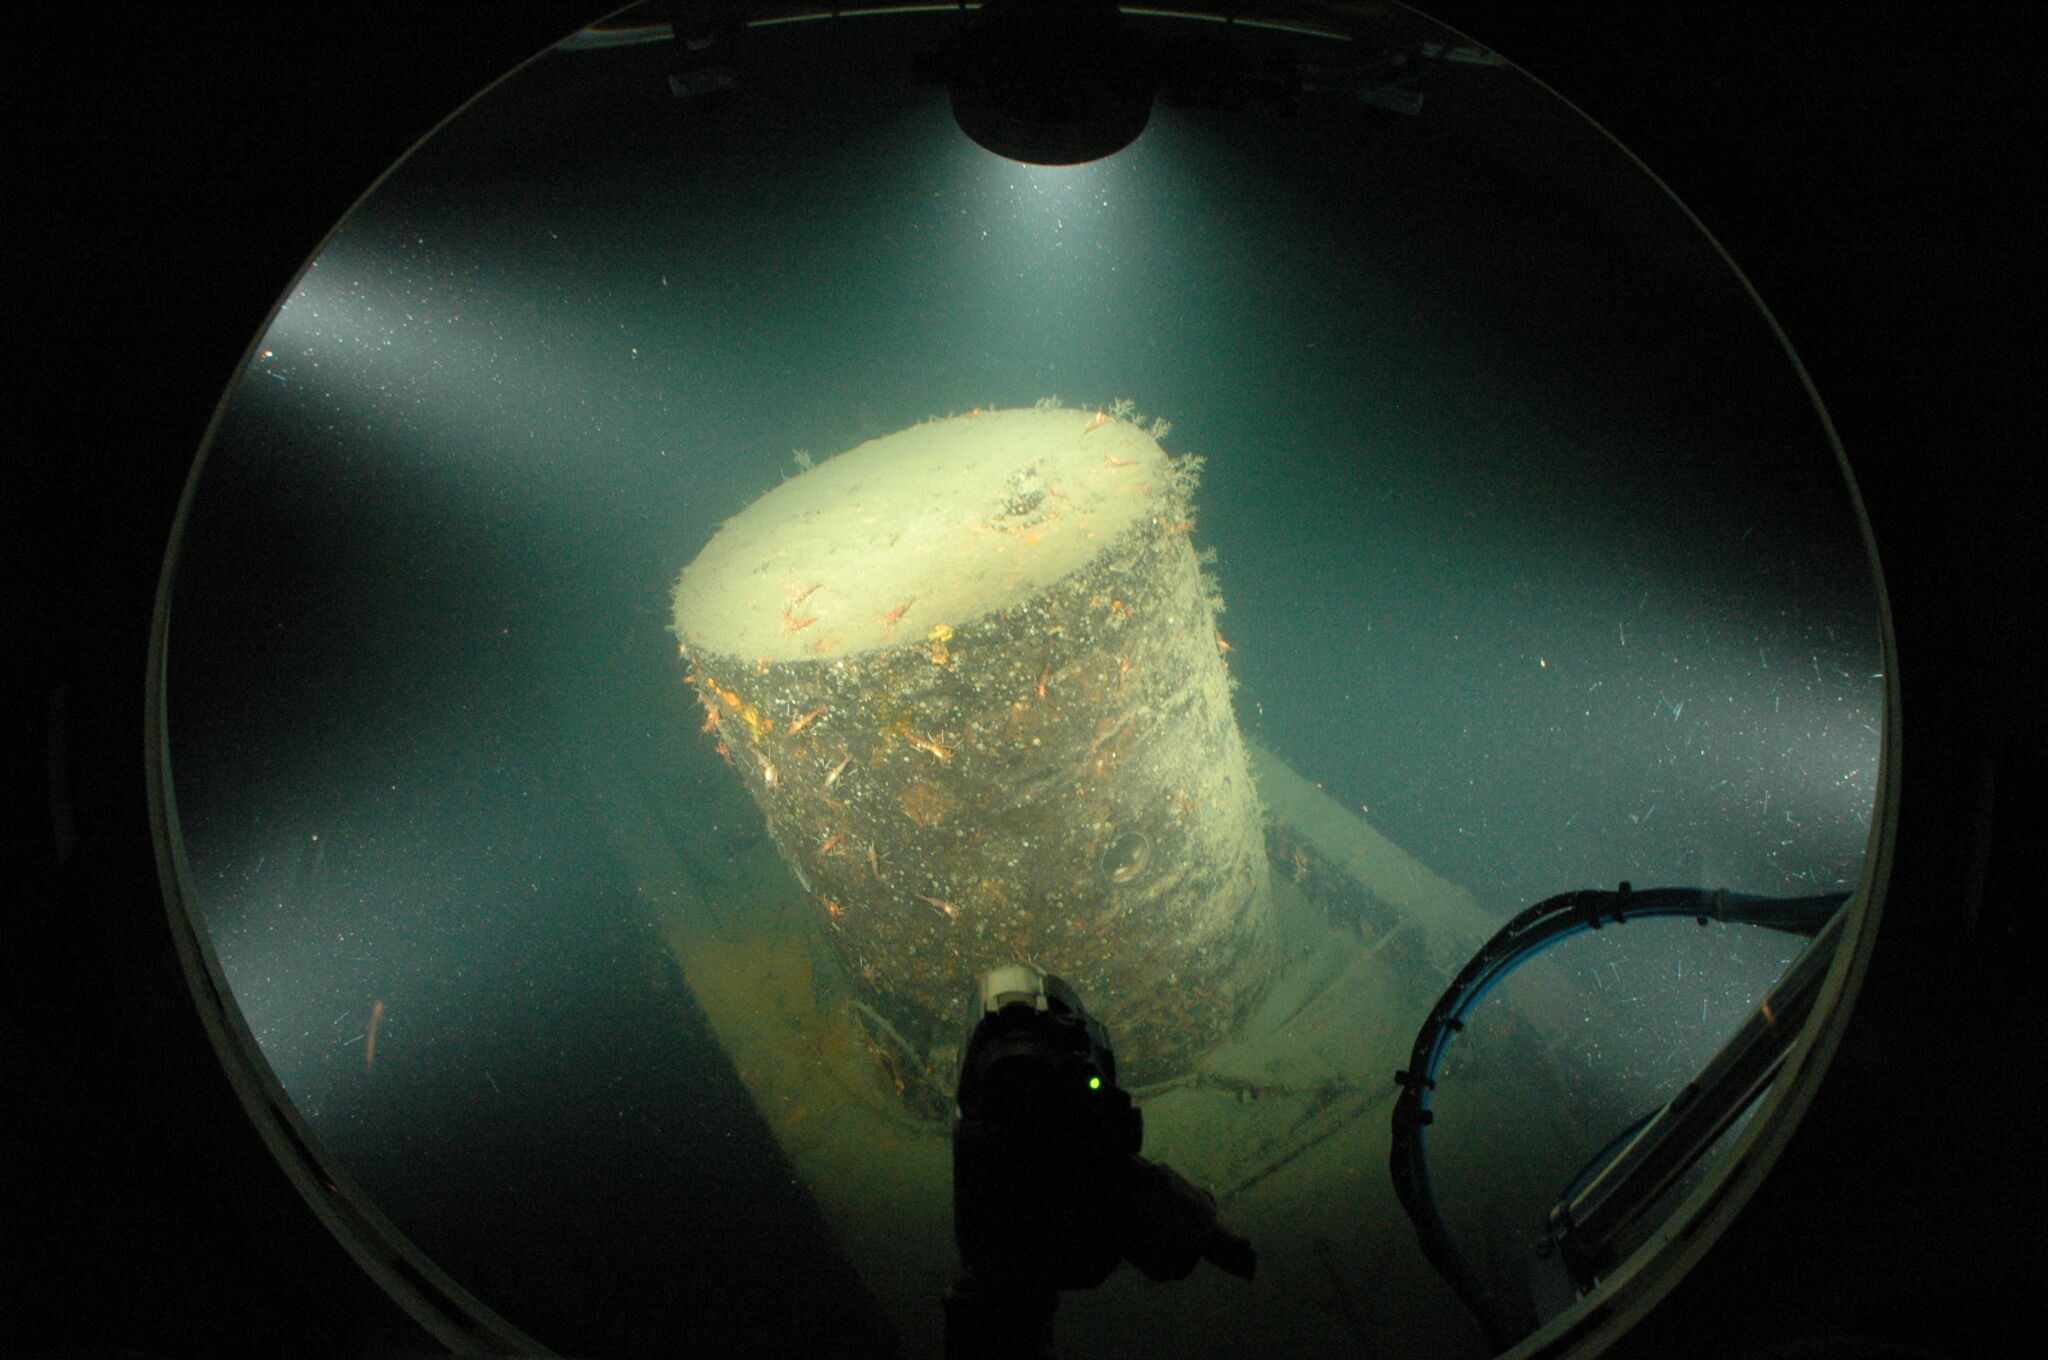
(970, 674)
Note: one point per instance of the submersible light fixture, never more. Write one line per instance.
(1046, 82)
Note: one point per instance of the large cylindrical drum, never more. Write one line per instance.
(971, 675)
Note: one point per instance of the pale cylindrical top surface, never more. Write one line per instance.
(941, 523)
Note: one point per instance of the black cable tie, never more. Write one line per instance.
(1409, 1079)
(1619, 905)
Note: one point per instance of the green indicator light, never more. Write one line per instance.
(1095, 1083)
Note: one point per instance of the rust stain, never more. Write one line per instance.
(925, 803)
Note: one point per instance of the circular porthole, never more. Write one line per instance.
(736, 538)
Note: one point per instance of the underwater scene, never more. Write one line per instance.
(671, 601)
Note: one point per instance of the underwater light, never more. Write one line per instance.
(1046, 82)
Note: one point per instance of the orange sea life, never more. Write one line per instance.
(952, 912)
(370, 1042)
